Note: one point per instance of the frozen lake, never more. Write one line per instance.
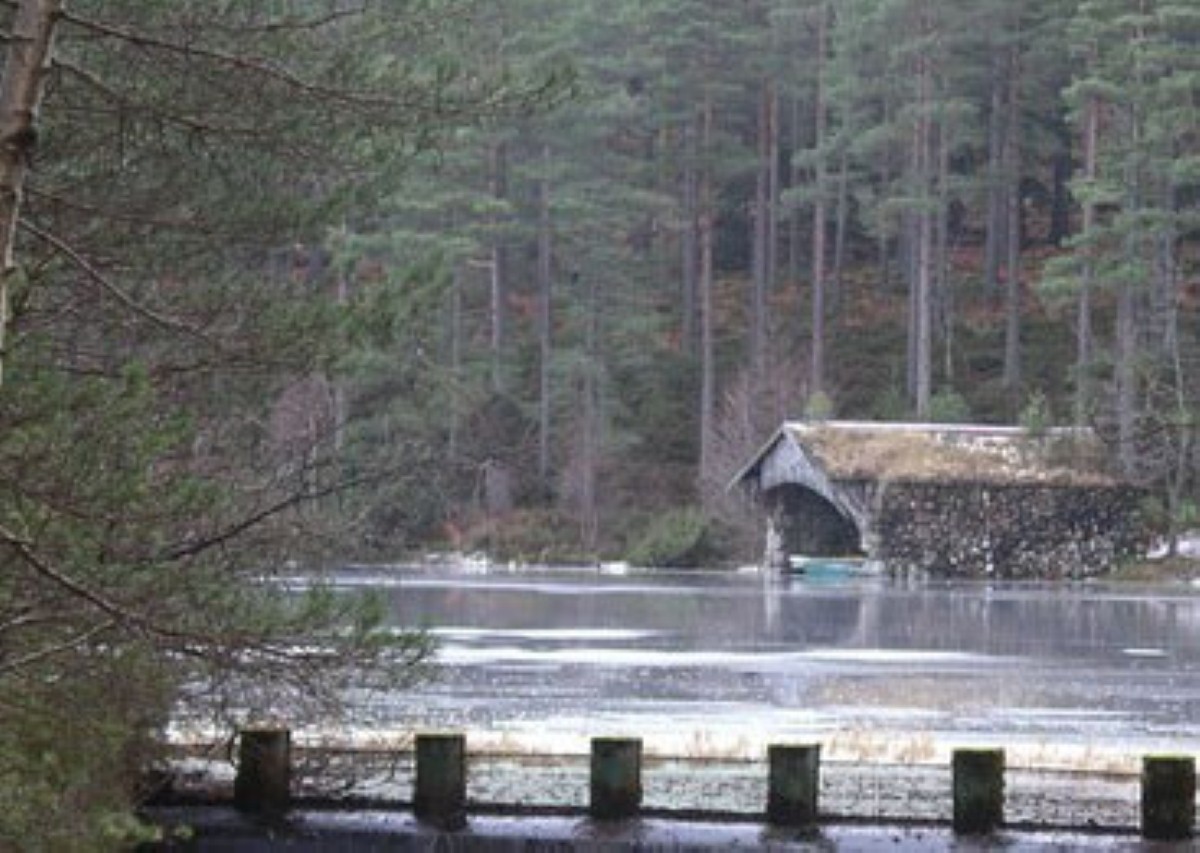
(717, 665)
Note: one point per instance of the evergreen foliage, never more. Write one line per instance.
(305, 280)
(172, 426)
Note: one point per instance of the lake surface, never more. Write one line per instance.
(717, 665)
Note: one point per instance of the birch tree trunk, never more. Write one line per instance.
(21, 86)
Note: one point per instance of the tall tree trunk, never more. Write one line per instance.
(27, 62)
(924, 330)
(545, 331)
(1181, 471)
(707, 223)
(590, 432)
(1083, 322)
(760, 240)
(690, 242)
(943, 293)
(1125, 377)
(1060, 211)
(338, 385)
(842, 220)
(1164, 294)
(795, 232)
(773, 189)
(498, 177)
(817, 358)
(1012, 150)
(923, 292)
(883, 246)
(996, 220)
(456, 335)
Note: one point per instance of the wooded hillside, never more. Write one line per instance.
(904, 209)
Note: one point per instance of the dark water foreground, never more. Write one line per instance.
(221, 830)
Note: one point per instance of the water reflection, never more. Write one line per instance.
(725, 662)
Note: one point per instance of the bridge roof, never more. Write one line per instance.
(894, 452)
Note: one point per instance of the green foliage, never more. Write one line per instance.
(818, 407)
(171, 423)
(1154, 514)
(1036, 417)
(889, 405)
(678, 538)
(316, 252)
(1187, 515)
(948, 406)
(1163, 520)
(529, 536)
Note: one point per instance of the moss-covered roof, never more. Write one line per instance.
(949, 453)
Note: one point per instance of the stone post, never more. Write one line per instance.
(616, 778)
(264, 773)
(440, 785)
(978, 790)
(793, 785)
(1168, 797)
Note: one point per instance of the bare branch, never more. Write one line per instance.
(180, 224)
(291, 24)
(169, 323)
(430, 105)
(192, 644)
(80, 639)
(187, 122)
(258, 65)
(191, 549)
(121, 614)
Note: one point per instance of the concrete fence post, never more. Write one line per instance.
(616, 778)
(440, 785)
(264, 773)
(1168, 797)
(978, 779)
(793, 785)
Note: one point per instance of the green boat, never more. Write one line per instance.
(831, 568)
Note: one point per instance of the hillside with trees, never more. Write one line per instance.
(316, 280)
(900, 209)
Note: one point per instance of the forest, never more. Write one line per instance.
(292, 282)
(749, 211)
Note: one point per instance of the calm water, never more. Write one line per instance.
(719, 664)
